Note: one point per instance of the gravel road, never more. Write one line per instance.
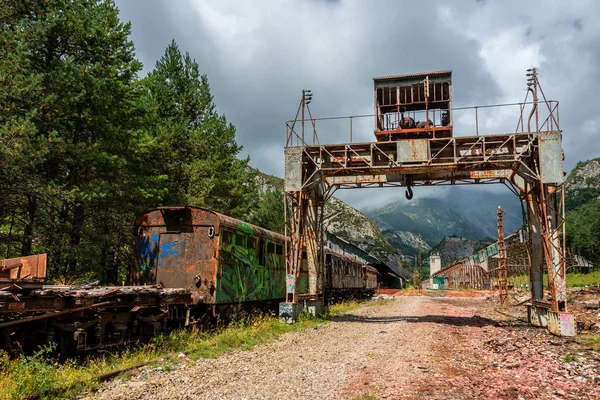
(407, 348)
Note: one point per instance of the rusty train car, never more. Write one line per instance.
(222, 261)
(348, 277)
(188, 263)
(225, 262)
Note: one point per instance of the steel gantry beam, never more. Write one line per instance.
(529, 162)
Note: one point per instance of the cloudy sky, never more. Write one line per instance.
(259, 55)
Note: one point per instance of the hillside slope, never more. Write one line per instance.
(583, 184)
(455, 248)
(582, 199)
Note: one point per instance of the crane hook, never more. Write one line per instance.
(408, 193)
(409, 182)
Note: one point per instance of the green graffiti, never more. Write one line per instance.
(241, 275)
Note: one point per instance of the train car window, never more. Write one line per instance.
(240, 240)
(226, 237)
(271, 248)
(174, 219)
(251, 243)
(261, 252)
(279, 250)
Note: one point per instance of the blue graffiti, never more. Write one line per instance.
(144, 246)
(169, 248)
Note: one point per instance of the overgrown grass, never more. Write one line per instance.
(577, 280)
(42, 374)
(343, 307)
(574, 279)
(595, 342)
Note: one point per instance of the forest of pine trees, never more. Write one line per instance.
(86, 143)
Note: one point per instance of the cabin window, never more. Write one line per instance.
(174, 219)
(251, 243)
(240, 240)
(227, 237)
(271, 248)
(279, 250)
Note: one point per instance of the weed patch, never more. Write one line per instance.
(570, 358)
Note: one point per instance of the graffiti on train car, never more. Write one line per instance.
(250, 267)
(147, 248)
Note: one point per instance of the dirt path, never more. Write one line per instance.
(408, 348)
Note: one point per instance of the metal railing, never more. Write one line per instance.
(541, 116)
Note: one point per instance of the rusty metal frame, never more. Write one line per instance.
(513, 159)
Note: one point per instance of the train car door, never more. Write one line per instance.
(182, 256)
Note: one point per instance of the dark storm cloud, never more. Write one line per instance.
(259, 55)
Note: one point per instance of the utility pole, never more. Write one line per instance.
(502, 273)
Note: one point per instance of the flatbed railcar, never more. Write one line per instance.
(84, 318)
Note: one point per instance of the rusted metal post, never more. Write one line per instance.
(536, 251)
(502, 273)
(312, 243)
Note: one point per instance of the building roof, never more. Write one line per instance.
(413, 75)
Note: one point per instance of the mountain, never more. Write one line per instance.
(582, 202)
(583, 184)
(355, 227)
(455, 248)
(405, 241)
(465, 213)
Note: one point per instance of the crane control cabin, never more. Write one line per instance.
(412, 106)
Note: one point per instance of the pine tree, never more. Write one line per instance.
(196, 146)
(76, 113)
